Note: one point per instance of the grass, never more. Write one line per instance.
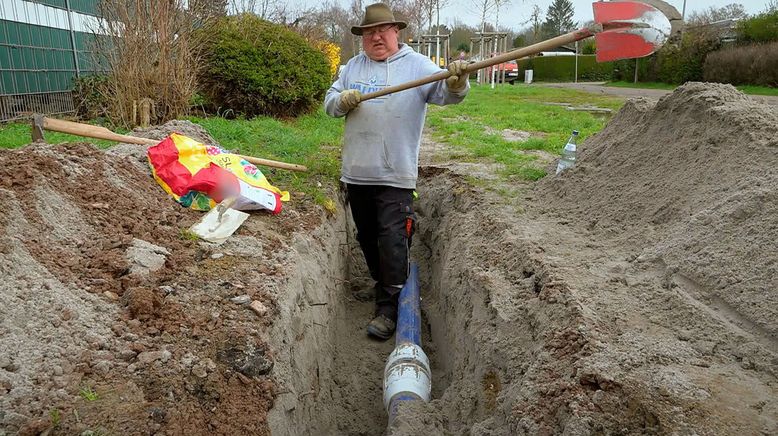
(15, 135)
(88, 393)
(312, 140)
(746, 89)
(55, 418)
(757, 90)
(642, 85)
(474, 126)
(188, 235)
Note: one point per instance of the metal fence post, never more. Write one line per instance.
(72, 37)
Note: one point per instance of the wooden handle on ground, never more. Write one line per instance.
(91, 131)
(98, 132)
(505, 57)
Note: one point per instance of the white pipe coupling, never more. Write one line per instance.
(407, 372)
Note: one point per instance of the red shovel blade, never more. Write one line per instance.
(630, 30)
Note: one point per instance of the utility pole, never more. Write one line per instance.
(576, 62)
(437, 32)
(72, 37)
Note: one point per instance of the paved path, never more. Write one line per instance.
(599, 88)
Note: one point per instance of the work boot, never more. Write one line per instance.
(381, 327)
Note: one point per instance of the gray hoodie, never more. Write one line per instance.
(383, 135)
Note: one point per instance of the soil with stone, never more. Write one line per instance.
(103, 291)
(632, 294)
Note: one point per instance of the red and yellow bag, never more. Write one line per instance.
(199, 176)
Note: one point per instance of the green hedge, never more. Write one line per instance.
(755, 64)
(760, 28)
(254, 67)
(562, 68)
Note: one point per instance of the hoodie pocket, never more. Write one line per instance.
(365, 155)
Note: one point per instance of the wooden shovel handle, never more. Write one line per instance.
(91, 131)
(98, 132)
(509, 56)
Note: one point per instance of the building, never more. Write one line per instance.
(44, 46)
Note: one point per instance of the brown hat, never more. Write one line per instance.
(376, 15)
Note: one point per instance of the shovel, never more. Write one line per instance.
(220, 222)
(621, 30)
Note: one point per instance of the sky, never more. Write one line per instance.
(518, 11)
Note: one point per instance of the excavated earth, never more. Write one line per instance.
(633, 294)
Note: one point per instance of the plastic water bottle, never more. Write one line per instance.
(568, 154)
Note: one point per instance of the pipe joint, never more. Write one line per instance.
(407, 375)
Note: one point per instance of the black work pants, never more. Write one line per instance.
(385, 224)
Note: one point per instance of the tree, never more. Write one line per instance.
(460, 35)
(463, 46)
(417, 17)
(270, 10)
(759, 29)
(537, 25)
(559, 18)
(484, 9)
(732, 11)
(427, 10)
(208, 8)
(499, 4)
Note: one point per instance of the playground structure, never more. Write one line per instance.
(436, 47)
(493, 43)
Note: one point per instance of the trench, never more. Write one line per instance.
(482, 323)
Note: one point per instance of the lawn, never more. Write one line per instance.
(472, 127)
(17, 134)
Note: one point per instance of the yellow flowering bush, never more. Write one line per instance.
(331, 51)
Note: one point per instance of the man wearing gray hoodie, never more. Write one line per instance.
(381, 149)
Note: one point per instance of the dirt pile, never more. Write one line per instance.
(689, 182)
(634, 294)
(102, 292)
(76, 212)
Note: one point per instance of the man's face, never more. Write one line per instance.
(380, 42)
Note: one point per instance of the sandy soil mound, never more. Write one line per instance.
(634, 294)
(102, 292)
(689, 182)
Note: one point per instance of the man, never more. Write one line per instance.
(381, 149)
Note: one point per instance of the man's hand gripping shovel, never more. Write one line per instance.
(621, 30)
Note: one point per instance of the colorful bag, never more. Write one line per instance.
(200, 176)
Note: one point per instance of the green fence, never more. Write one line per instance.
(44, 45)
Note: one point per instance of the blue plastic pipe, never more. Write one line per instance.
(407, 376)
(409, 313)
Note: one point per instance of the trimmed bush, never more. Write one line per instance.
(562, 68)
(755, 64)
(761, 28)
(675, 63)
(255, 67)
(681, 63)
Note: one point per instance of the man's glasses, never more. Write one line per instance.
(367, 33)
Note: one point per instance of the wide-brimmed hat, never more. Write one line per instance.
(376, 15)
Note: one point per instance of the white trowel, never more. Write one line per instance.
(220, 222)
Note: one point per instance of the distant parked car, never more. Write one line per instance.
(511, 71)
